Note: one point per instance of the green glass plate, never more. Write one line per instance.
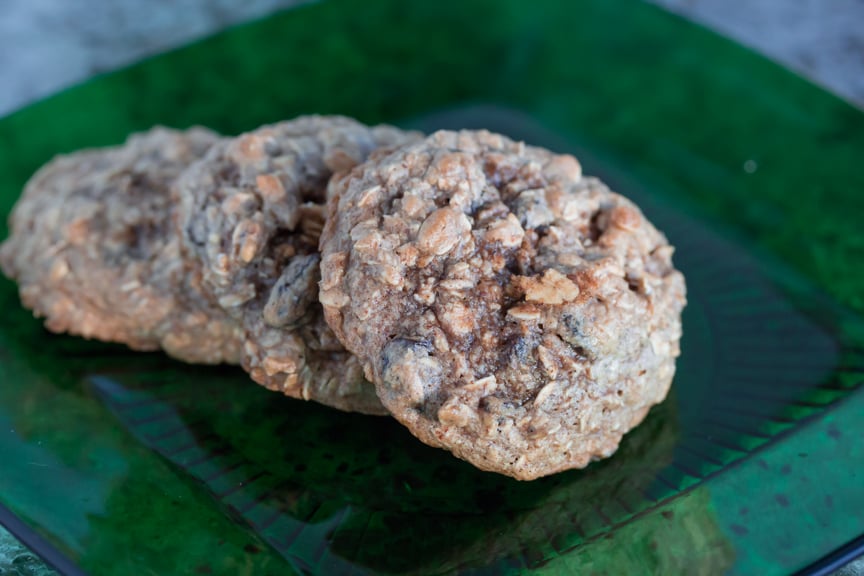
(117, 463)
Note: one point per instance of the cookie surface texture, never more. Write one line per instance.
(94, 250)
(507, 308)
(251, 215)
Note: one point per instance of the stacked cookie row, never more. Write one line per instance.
(486, 294)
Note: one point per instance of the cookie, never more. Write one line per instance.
(94, 250)
(507, 308)
(250, 215)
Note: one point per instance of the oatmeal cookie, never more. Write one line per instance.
(250, 215)
(507, 308)
(94, 249)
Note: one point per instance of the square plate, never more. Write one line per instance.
(123, 463)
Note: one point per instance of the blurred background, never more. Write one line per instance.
(47, 45)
